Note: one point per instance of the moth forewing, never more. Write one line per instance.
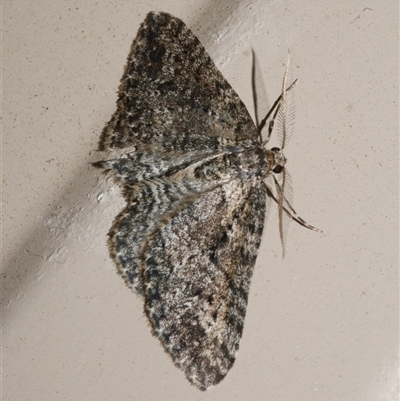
(191, 168)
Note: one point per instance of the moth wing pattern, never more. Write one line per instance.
(171, 80)
(173, 96)
(148, 201)
(197, 272)
(187, 242)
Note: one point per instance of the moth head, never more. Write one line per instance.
(276, 160)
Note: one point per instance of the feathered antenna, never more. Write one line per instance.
(285, 130)
(280, 187)
(260, 98)
(282, 129)
(286, 109)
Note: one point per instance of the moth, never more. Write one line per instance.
(196, 177)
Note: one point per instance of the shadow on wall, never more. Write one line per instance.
(78, 224)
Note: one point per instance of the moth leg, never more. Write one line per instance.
(272, 121)
(288, 208)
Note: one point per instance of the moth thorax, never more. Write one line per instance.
(276, 159)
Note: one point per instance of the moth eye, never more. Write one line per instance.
(278, 169)
(275, 149)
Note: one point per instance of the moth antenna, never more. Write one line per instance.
(275, 107)
(260, 98)
(286, 109)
